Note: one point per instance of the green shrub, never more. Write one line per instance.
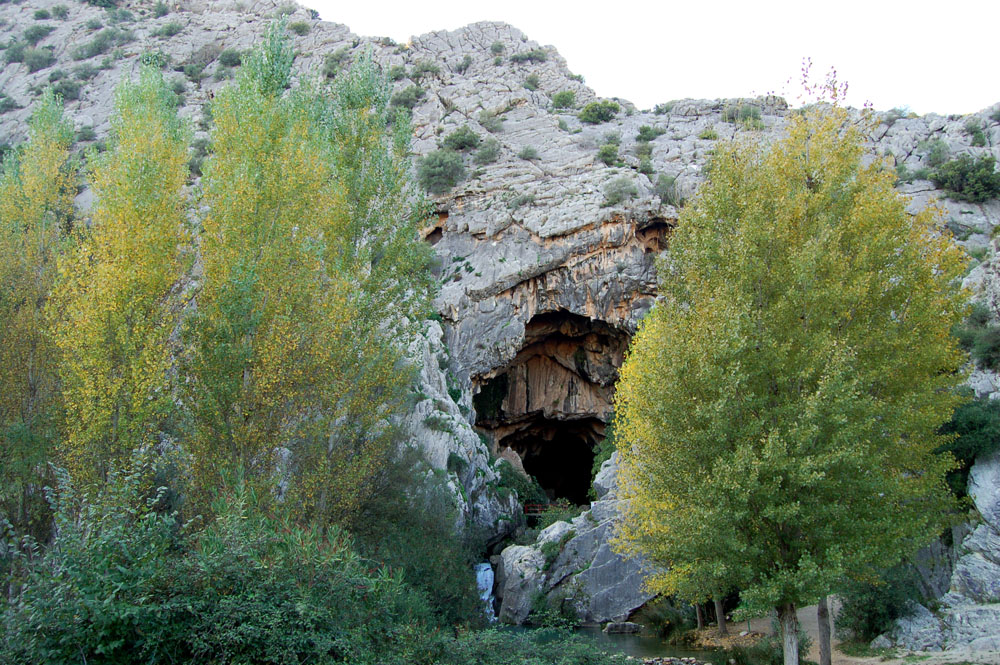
(440, 170)
(462, 138)
(995, 116)
(613, 138)
(422, 68)
(231, 57)
(397, 73)
(708, 134)
(93, 24)
(408, 525)
(333, 62)
(528, 153)
(531, 82)
(552, 646)
(564, 99)
(489, 152)
(646, 166)
(663, 109)
(563, 125)
(935, 152)
(68, 88)
(496, 48)
(868, 610)
(15, 52)
(157, 59)
(102, 42)
(528, 490)
(38, 59)
(490, 121)
(666, 189)
(125, 583)
(37, 33)
(160, 9)
(42, 15)
(619, 190)
(464, 64)
(745, 113)
(169, 29)
(608, 153)
(7, 103)
(644, 150)
(534, 55)
(85, 72)
(300, 28)
(407, 97)
(969, 179)
(977, 424)
(86, 133)
(120, 16)
(597, 112)
(60, 12)
(666, 618)
(521, 200)
(975, 130)
(497, 61)
(647, 133)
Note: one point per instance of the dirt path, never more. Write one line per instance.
(810, 624)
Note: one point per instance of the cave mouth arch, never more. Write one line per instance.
(551, 403)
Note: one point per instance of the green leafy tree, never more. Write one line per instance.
(778, 411)
(313, 275)
(36, 204)
(112, 300)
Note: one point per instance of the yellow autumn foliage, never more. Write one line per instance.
(113, 297)
(777, 413)
(36, 204)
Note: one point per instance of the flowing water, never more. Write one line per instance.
(484, 581)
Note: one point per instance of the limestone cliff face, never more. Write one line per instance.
(544, 277)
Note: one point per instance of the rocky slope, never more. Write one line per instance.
(546, 247)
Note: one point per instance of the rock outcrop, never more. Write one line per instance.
(572, 565)
(969, 613)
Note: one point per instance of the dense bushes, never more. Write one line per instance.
(619, 190)
(869, 609)
(440, 170)
(528, 490)
(597, 112)
(564, 99)
(969, 179)
(980, 337)
(461, 139)
(977, 424)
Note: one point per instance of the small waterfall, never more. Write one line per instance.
(484, 581)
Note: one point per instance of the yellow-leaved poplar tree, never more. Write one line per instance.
(311, 269)
(778, 410)
(37, 185)
(112, 299)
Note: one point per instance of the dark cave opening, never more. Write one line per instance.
(551, 402)
(559, 454)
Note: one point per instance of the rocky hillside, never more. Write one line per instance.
(549, 214)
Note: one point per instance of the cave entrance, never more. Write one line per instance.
(551, 402)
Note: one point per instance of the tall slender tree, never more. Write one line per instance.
(112, 299)
(312, 277)
(779, 409)
(36, 205)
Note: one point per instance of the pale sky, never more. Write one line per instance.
(940, 56)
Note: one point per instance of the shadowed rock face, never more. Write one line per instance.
(551, 402)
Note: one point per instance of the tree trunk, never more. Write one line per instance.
(823, 615)
(789, 633)
(720, 616)
(700, 615)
